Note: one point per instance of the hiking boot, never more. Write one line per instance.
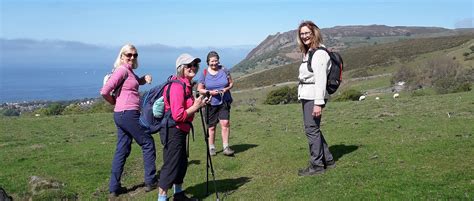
(311, 170)
(330, 164)
(212, 152)
(182, 197)
(228, 151)
(150, 187)
(120, 190)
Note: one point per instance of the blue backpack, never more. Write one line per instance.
(154, 122)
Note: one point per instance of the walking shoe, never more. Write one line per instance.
(311, 170)
(150, 187)
(212, 152)
(120, 190)
(228, 151)
(182, 197)
(330, 164)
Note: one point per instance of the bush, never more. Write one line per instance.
(10, 112)
(282, 95)
(101, 106)
(73, 109)
(348, 95)
(52, 109)
(443, 74)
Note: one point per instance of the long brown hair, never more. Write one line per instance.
(316, 40)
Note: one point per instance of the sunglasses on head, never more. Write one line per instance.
(130, 55)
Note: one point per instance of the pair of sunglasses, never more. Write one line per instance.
(192, 64)
(129, 55)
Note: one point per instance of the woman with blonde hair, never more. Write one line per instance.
(126, 117)
(313, 95)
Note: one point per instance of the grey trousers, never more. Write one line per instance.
(318, 148)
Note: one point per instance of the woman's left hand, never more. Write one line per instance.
(317, 111)
(148, 79)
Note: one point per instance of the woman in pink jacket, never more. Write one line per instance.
(126, 114)
(183, 106)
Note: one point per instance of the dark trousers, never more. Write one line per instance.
(175, 161)
(318, 148)
(128, 128)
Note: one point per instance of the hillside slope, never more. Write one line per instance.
(358, 61)
(281, 48)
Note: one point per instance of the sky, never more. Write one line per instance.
(218, 23)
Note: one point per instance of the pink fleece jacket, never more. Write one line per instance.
(180, 101)
(128, 98)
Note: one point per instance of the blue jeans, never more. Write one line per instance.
(128, 128)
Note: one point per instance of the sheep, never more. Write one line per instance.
(377, 98)
(396, 95)
(361, 98)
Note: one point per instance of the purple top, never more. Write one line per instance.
(128, 98)
(217, 82)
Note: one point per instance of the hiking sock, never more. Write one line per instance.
(177, 188)
(225, 145)
(212, 146)
(162, 197)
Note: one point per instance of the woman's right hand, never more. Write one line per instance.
(214, 92)
(200, 101)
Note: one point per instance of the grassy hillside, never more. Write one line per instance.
(372, 60)
(404, 149)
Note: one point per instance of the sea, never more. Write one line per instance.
(44, 83)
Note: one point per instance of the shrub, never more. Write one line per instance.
(101, 106)
(282, 95)
(465, 54)
(10, 112)
(73, 109)
(52, 109)
(348, 95)
(443, 74)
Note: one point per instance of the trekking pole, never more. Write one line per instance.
(209, 159)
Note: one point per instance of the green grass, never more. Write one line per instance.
(406, 148)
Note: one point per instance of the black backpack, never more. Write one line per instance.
(334, 78)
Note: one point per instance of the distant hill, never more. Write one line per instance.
(18, 53)
(281, 49)
(357, 61)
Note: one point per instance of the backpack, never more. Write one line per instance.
(334, 77)
(152, 115)
(118, 88)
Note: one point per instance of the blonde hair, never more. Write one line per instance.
(316, 40)
(126, 47)
(180, 70)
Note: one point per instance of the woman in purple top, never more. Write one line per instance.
(216, 81)
(126, 114)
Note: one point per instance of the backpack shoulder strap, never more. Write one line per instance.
(169, 83)
(204, 72)
(310, 57)
(118, 89)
